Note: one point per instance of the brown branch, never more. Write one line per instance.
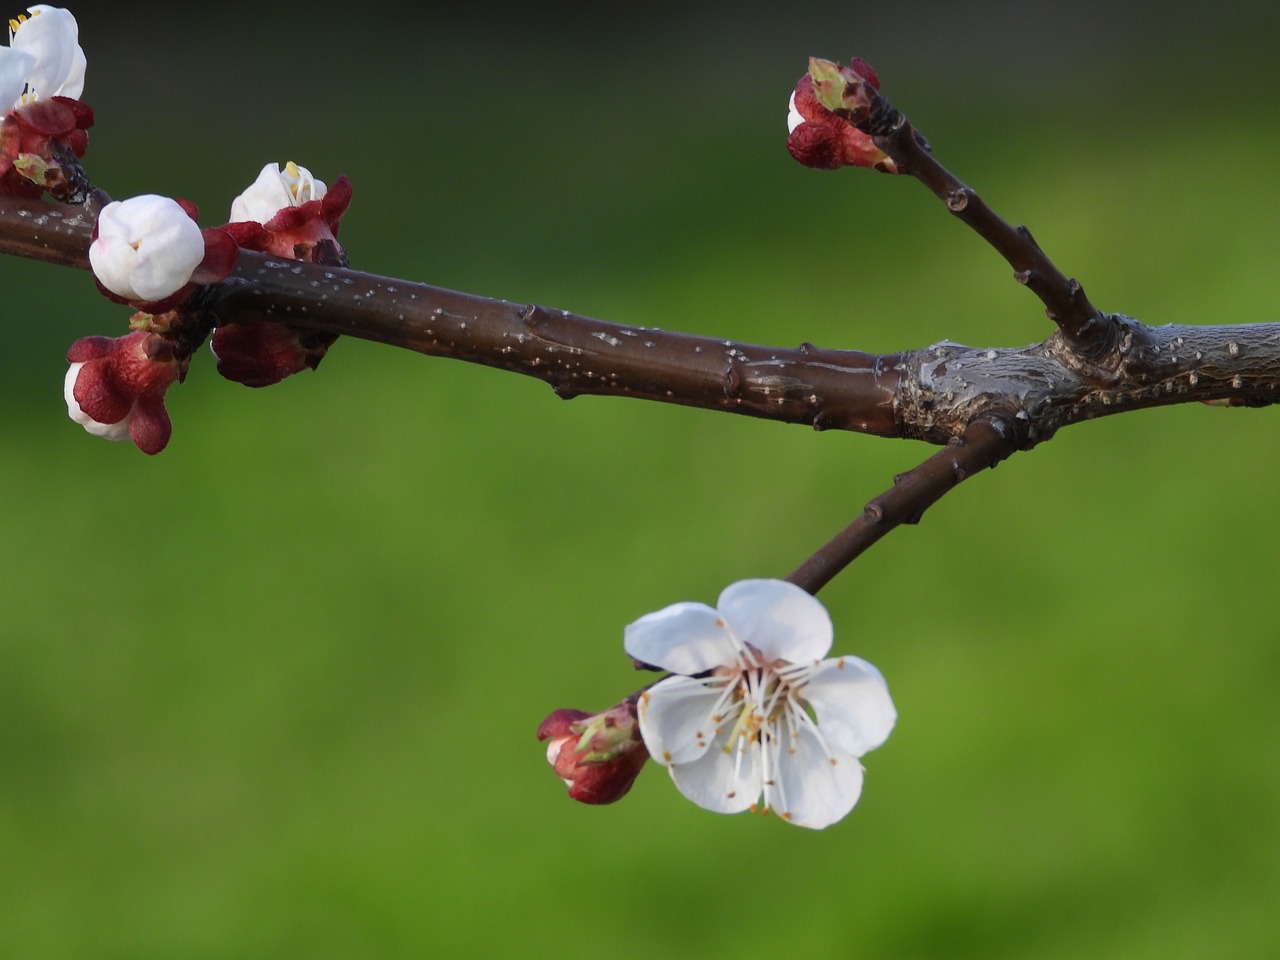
(981, 403)
(576, 355)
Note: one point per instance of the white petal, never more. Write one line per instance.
(73, 85)
(793, 115)
(723, 782)
(684, 638)
(147, 247)
(14, 67)
(813, 787)
(265, 197)
(108, 431)
(676, 719)
(852, 703)
(778, 618)
(68, 394)
(50, 35)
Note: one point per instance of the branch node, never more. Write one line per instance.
(958, 199)
(874, 512)
(1022, 276)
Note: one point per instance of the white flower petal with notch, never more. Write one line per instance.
(852, 702)
(779, 619)
(676, 719)
(719, 780)
(685, 638)
(814, 787)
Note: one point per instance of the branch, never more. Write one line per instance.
(1084, 327)
(982, 404)
(983, 444)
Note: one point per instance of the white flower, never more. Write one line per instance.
(753, 710)
(274, 190)
(43, 59)
(147, 247)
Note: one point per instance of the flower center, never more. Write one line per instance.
(765, 703)
(300, 183)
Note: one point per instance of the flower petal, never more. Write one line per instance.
(684, 638)
(676, 719)
(264, 198)
(813, 787)
(778, 618)
(720, 781)
(50, 35)
(852, 703)
(14, 67)
(794, 119)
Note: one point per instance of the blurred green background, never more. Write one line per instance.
(273, 693)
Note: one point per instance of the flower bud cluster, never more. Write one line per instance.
(822, 114)
(149, 252)
(290, 214)
(598, 755)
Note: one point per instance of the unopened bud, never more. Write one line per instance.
(598, 755)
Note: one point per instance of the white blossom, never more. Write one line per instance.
(274, 190)
(44, 57)
(147, 247)
(752, 712)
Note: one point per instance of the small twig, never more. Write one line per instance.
(1089, 332)
(983, 444)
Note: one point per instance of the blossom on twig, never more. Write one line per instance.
(287, 213)
(43, 131)
(752, 712)
(149, 252)
(146, 248)
(825, 105)
(115, 388)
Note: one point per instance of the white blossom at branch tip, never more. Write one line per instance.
(147, 247)
(274, 190)
(44, 57)
(793, 115)
(752, 716)
(108, 431)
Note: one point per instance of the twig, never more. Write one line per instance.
(1086, 329)
(983, 444)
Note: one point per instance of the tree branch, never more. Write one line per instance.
(983, 444)
(982, 404)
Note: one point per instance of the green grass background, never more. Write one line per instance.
(273, 693)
